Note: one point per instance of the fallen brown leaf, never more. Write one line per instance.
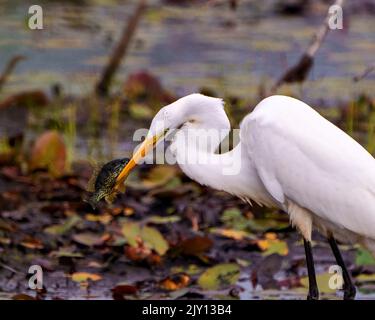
(195, 246)
(121, 290)
(49, 152)
(32, 243)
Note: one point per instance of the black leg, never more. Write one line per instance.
(313, 286)
(349, 288)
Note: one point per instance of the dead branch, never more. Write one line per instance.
(365, 73)
(233, 4)
(9, 69)
(300, 71)
(25, 98)
(119, 52)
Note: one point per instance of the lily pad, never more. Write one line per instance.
(323, 281)
(364, 258)
(148, 236)
(219, 276)
(233, 219)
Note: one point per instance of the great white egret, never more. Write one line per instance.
(291, 158)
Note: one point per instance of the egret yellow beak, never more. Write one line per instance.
(142, 151)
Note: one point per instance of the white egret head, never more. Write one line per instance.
(195, 111)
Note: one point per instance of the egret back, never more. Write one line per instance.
(299, 155)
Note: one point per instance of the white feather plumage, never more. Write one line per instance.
(291, 158)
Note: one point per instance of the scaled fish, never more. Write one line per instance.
(103, 182)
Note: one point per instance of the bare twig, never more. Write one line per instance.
(8, 268)
(9, 69)
(365, 73)
(300, 71)
(119, 52)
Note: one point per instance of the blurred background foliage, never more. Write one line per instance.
(55, 127)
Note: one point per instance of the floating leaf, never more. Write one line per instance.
(163, 220)
(323, 282)
(218, 276)
(59, 229)
(132, 233)
(261, 225)
(231, 214)
(231, 233)
(154, 240)
(195, 246)
(233, 219)
(364, 258)
(271, 245)
(89, 239)
(365, 278)
(149, 237)
(117, 241)
(191, 270)
(85, 276)
(49, 152)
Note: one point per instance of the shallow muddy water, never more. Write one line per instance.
(187, 47)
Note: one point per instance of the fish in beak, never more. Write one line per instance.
(148, 144)
(103, 182)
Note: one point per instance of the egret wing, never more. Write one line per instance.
(299, 155)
